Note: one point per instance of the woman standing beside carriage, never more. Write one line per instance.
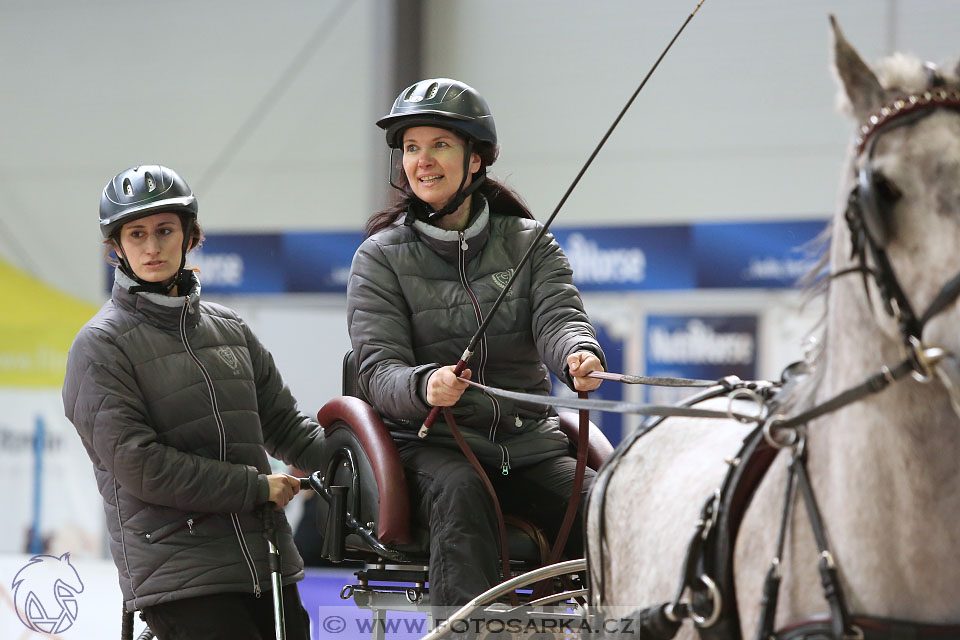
(420, 285)
(175, 401)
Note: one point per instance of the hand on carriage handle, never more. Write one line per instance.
(282, 489)
(443, 388)
(581, 364)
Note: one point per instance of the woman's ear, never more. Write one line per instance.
(475, 162)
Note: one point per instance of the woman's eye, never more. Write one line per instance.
(411, 148)
(441, 144)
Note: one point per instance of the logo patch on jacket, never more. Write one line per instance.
(501, 279)
(229, 358)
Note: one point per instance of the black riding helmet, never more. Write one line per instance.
(449, 104)
(143, 191)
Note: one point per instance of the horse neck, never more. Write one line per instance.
(884, 470)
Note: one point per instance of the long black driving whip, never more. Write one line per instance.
(468, 352)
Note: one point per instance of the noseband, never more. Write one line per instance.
(868, 218)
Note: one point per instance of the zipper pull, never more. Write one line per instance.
(504, 462)
(256, 590)
(190, 525)
(517, 421)
(463, 243)
(189, 306)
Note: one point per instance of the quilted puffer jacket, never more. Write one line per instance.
(417, 294)
(175, 400)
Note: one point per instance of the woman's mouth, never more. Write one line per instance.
(430, 179)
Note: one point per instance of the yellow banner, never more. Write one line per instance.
(37, 326)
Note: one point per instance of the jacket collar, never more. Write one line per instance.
(159, 310)
(446, 244)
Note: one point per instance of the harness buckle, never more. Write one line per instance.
(924, 359)
(712, 512)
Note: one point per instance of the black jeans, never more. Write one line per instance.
(449, 498)
(228, 616)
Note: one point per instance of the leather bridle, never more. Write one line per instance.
(869, 223)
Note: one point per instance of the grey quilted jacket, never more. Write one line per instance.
(417, 294)
(175, 401)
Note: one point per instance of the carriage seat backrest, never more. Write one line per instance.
(351, 376)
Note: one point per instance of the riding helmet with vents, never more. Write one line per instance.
(440, 102)
(143, 191)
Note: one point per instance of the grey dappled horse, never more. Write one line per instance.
(885, 470)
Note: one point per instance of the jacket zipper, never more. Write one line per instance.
(222, 432)
(462, 271)
(504, 460)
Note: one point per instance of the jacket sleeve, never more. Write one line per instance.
(288, 434)
(560, 323)
(103, 401)
(378, 320)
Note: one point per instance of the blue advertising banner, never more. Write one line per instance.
(626, 258)
(629, 258)
(708, 347)
(760, 254)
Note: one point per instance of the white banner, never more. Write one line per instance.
(50, 503)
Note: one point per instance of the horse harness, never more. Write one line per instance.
(708, 572)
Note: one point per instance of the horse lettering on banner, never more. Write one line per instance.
(853, 487)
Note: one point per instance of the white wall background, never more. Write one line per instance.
(737, 123)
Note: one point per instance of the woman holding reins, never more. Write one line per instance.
(420, 285)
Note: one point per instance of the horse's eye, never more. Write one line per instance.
(886, 191)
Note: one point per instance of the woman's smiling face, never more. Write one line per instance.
(433, 164)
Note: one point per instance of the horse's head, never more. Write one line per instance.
(902, 216)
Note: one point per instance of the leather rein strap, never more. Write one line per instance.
(504, 545)
(583, 445)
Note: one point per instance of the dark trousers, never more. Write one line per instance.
(228, 616)
(449, 498)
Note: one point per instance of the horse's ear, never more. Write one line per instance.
(861, 85)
